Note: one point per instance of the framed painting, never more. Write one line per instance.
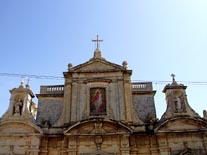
(97, 101)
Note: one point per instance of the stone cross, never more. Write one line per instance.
(173, 77)
(97, 41)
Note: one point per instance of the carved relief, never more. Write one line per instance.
(125, 141)
(179, 102)
(72, 143)
(98, 127)
(98, 141)
(18, 106)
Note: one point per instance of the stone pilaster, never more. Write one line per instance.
(67, 104)
(74, 102)
(124, 148)
(128, 98)
(120, 101)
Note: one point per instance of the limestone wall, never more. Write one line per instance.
(123, 144)
(20, 145)
(180, 142)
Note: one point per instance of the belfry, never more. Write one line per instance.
(98, 110)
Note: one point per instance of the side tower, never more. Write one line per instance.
(177, 103)
(19, 133)
(180, 130)
(21, 105)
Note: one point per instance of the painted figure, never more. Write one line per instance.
(98, 101)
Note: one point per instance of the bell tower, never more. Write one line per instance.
(21, 105)
(176, 98)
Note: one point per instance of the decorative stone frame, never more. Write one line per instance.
(102, 85)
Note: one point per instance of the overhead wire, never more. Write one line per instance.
(31, 76)
(50, 77)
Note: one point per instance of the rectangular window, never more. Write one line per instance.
(97, 101)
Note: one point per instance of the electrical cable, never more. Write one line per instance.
(48, 77)
(32, 76)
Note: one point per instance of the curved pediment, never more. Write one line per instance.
(189, 151)
(99, 152)
(181, 124)
(96, 126)
(18, 128)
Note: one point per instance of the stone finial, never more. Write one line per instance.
(173, 79)
(205, 114)
(21, 84)
(97, 53)
(125, 64)
(28, 85)
(70, 66)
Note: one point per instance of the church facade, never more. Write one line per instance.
(99, 111)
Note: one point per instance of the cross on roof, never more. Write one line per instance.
(173, 77)
(97, 41)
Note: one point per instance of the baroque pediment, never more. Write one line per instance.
(18, 128)
(188, 151)
(93, 127)
(181, 124)
(98, 152)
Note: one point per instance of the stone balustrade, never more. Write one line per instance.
(59, 89)
(142, 86)
(52, 89)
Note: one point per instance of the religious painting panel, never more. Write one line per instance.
(98, 101)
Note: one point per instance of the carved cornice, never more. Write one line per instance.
(97, 80)
(50, 95)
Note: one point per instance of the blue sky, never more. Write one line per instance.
(156, 37)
